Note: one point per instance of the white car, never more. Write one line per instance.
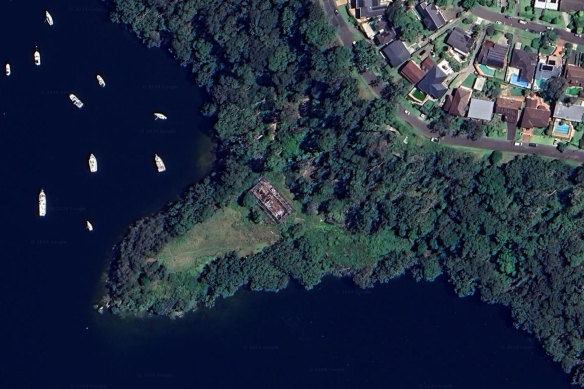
(522, 22)
(435, 140)
(498, 22)
(578, 35)
(550, 28)
(518, 144)
(407, 112)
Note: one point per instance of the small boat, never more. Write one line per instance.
(75, 100)
(88, 225)
(37, 57)
(92, 163)
(100, 81)
(42, 203)
(48, 18)
(159, 164)
(158, 115)
(8, 71)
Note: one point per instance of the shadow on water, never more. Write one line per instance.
(401, 335)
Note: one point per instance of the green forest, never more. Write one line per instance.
(285, 105)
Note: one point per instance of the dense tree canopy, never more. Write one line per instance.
(284, 103)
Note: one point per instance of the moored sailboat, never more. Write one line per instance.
(159, 164)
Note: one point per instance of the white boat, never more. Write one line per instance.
(75, 100)
(158, 115)
(37, 57)
(8, 71)
(48, 18)
(100, 81)
(42, 203)
(159, 164)
(88, 225)
(92, 163)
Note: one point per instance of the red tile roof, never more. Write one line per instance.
(412, 72)
(427, 63)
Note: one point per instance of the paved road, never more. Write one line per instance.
(491, 144)
(346, 37)
(567, 36)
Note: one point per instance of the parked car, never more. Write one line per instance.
(435, 140)
(518, 144)
(498, 22)
(522, 22)
(550, 28)
(532, 145)
(578, 35)
(406, 112)
(336, 11)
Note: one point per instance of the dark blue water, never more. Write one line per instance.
(403, 335)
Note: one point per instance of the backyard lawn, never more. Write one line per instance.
(469, 82)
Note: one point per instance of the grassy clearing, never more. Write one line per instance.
(227, 230)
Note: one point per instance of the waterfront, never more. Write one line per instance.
(403, 335)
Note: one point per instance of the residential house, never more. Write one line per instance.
(456, 103)
(536, 113)
(366, 9)
(481, 109)
(522, 68)
(570, 5)
(573, 112)
(432, 18)
(492, 55)
(433, 83)
(384, 37)
(396, 53)
(427, 64)
(551, 67)
(460, 41)
(546, 4)
(509, 108)
(574, 75)
(412, 72)
(382, 25)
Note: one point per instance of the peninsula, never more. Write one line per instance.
(332, 161)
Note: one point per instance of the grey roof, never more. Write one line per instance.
(385, 37)
(573, 113)
(492, 54)
(481, 109)
(396, 53)
(545, 71)
(460, 40)
(570, 5)
(525, 61)
(433, 83)
(369, 8)
(431, 16)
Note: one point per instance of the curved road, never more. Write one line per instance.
(491, 16)
(491, 144)
(346, 38)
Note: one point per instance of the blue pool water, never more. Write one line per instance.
(562, 129)
(515, 81)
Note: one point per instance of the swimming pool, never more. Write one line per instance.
(573, 90)
(515, 81)
(562, 129)
(486, 70)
